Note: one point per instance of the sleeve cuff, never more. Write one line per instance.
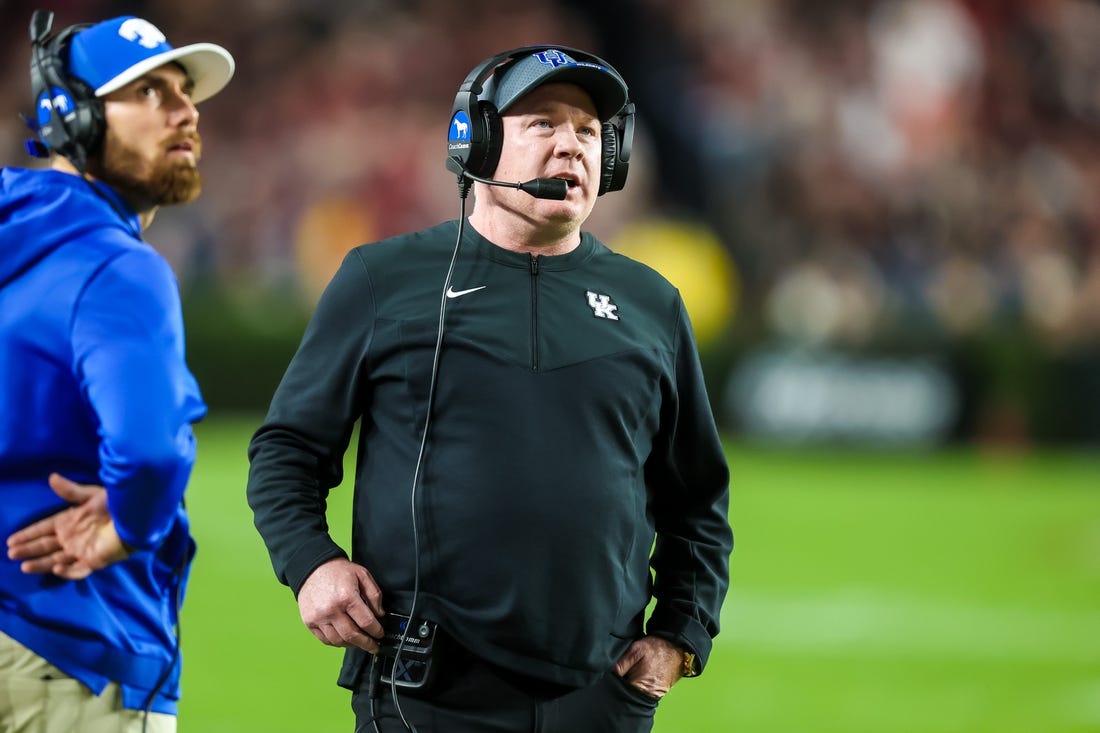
(308, 558)
(682, 630)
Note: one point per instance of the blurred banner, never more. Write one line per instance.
(803, 395)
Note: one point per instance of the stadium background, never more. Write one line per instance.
(882, 215)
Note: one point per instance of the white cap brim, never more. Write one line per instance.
(208, 66)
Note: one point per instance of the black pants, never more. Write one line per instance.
(468, 695)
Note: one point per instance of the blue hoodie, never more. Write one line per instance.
(94, 386)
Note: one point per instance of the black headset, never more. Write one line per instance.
(486, 133)
(68, 117)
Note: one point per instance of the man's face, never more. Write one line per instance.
(151, 147)
(551, 132)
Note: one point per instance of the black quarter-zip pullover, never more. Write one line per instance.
(570, 429)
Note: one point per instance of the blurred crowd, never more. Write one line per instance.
(331, 134)
(875, 170)
(898, 168)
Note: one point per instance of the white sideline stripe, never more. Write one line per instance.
(865, 622)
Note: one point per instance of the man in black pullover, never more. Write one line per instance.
(534, 439)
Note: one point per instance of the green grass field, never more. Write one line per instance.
(872, 593)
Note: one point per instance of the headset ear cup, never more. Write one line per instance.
(91, 124)
(616, 163)
(492, 142)
(609, 138)
(80, 132)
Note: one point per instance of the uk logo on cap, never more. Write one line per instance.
(145, 33)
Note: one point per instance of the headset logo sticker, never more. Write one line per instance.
(54, 99)
(602, 306)
(460, 127)
(458, 137)
(145, 33)
(553, 58)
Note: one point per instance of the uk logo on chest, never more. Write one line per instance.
(602, 306)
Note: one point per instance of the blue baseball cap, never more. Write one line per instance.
(603, 84)
(111, 54)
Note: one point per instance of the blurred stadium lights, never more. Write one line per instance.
(692, 257)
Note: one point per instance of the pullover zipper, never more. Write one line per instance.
(534, 313)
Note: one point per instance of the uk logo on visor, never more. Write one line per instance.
(554, 58)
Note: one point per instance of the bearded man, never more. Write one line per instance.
(96, 400)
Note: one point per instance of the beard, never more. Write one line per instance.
(146, 184)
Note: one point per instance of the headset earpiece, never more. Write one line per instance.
(69, 117)
(494, 138)
(475, 136)
(476, 133)
(609, 136)
(618, 141)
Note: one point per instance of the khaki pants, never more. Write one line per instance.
(37, 697)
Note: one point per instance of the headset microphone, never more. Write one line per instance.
(552, 188)
(545, 188)
(541, 188)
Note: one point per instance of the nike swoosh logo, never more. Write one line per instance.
(452, 293)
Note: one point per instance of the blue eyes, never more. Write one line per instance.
(546, 124)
